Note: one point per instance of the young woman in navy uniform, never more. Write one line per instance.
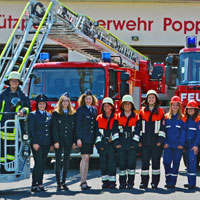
(192, 140)
(129, 135)
(63, 133)
(85, 132)
(107, 141)
(39, 124)
(174, 141)
(151, 138)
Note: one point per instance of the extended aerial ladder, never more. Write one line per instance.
(71, 30)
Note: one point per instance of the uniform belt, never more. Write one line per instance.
(126, 135)
(106, 140)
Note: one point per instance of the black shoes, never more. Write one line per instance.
(122, 186)
(65, 187)
(112, 185)
(85, 186)
(190, 187)
(42, 189)
(143, 186)
(38, 189)
(105, 185)
(62, 187)
(153, 186)
(168, 186)
(59, 188)
(35, 189)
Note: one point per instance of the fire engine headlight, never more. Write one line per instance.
(25, 137)
(191, 41)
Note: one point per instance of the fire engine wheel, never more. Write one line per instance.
(38, 9)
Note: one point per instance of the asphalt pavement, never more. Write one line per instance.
(21, 190)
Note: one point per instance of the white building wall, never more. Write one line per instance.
(156, 24)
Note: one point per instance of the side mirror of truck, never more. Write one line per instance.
(171, 67)
(172, 59)
(124, 86)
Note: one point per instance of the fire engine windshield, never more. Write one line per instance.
(75, 81)
(189, 69)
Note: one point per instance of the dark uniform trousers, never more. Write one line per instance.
(58, 152)
(63, 127)
(153, 153)
(40, 159)
(108, 162)
(127, 160)
(152, 132)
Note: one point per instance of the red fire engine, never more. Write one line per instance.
(102, 78)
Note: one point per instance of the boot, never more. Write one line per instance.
(122, 182)
(112, 185)
(105, 184)
(131, 179)
(144, 182)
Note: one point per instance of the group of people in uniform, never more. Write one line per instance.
(117, 136)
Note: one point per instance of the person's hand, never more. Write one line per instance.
(195, 149)
(166, 146)
(56, 145)
(102, 149)
(36, 147)
(79, 143)
(51, 148)
(74, 146)
(118, 146)
(20, 114)
(140, 144)
(158, 144)
(180, 147)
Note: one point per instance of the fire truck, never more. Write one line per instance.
(113, 68)
(183, 71)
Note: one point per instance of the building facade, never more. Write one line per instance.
(154, 28)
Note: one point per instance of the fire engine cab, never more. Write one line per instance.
(183, 71)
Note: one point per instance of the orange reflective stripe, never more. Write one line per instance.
(155, 117)
(123, 120)
(103, 122)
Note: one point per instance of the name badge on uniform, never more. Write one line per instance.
(88, 117)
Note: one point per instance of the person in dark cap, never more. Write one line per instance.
(64, 137)
(39, 124)
(85, 132)
(12, 101)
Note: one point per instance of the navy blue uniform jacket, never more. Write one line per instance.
(86, 124)
(40, 128)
